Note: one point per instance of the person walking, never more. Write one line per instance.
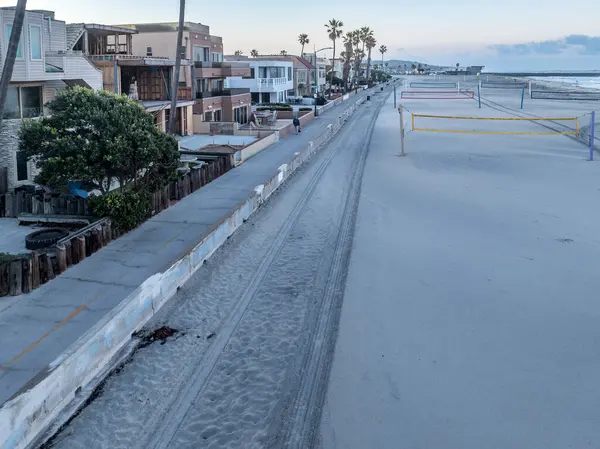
(296, 124)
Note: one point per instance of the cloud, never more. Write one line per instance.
(572, 44)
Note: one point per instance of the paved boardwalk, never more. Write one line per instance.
(37, 328)
(470, 319)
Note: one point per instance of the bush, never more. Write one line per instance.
(306, 109)
(128, 208)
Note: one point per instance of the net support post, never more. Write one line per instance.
(479, 94)
(522, 98)
(400, 110)
(592, 134)
(530, 95)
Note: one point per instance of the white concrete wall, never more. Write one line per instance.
(253, 84)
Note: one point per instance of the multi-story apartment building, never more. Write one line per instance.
(205, 74)
(146, 78)
(270, 80)
(44, 64)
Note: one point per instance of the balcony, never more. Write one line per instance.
(221, 69)
(221, 93)
(184, 93)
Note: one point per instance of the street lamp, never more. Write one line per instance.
(316, 78)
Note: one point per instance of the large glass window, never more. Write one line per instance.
(8, 30)
(22, 172)
(35, 42)
(11, 107)
(31, 101)
(289, 74)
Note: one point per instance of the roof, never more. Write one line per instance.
(166, 27)
(307, 63)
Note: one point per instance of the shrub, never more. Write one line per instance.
(128, 208)
(305, 109)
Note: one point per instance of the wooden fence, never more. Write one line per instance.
(26, 273)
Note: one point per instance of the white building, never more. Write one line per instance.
(42, 66)
(269, 81)
(321, 64)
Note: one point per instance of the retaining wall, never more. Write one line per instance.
(25, 417)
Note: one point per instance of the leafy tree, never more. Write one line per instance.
(347, 55)
(334, 32)
(101, 139)
(254, 53)
(283, 53)
(303, 40)
(238, 52)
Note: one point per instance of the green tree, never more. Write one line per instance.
(101, 139)
(347, 55)
(334, 32)
(238, 53)
(254, 53)
(283, 53)
(303, 40)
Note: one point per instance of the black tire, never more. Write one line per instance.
(44, 238)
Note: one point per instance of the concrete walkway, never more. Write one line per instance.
(37, 328)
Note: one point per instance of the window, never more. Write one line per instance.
(31, 101)
(218, 116)
(35, 42)
(148, 51)
(12, 108)
(183, 51)
(22, 174)
(208, 116)
(262, 72)
(23, 102)
(8, 30)
(289, 74)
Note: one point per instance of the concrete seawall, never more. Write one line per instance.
(67, 381)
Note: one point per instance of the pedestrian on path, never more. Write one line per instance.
(296, 124)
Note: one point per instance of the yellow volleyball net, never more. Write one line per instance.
(495, 125)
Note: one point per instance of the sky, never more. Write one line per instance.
(502, 35)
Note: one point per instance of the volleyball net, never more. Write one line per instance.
(438, 94)
(433, 85)
(543, 94)
(494, 125)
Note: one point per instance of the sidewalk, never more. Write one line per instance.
(37, 328)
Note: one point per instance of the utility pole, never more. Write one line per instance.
(175, 84)
(11, 54)
(316, 80)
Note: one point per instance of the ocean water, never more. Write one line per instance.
(588, 82)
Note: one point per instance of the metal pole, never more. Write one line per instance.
(530, 95)
(316, 81)
(522, 98)
(401, 109)
(592, 134)
(479, 94)
(394, 97)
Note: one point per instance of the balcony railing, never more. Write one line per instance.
(221, 93)
(112, 57)
(266, 82)
(184, 93)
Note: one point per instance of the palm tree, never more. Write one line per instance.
(414, 66)
(254, 53)
(238, 52)
(382, 50)
(172, 117)
(303, 39)
(347, 55)
(457, 66)
(283, 53)
(370, 42)
(354, 38)
(334, 31)
(364, 34)
(11, 53)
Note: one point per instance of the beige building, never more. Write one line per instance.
(205, 74)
